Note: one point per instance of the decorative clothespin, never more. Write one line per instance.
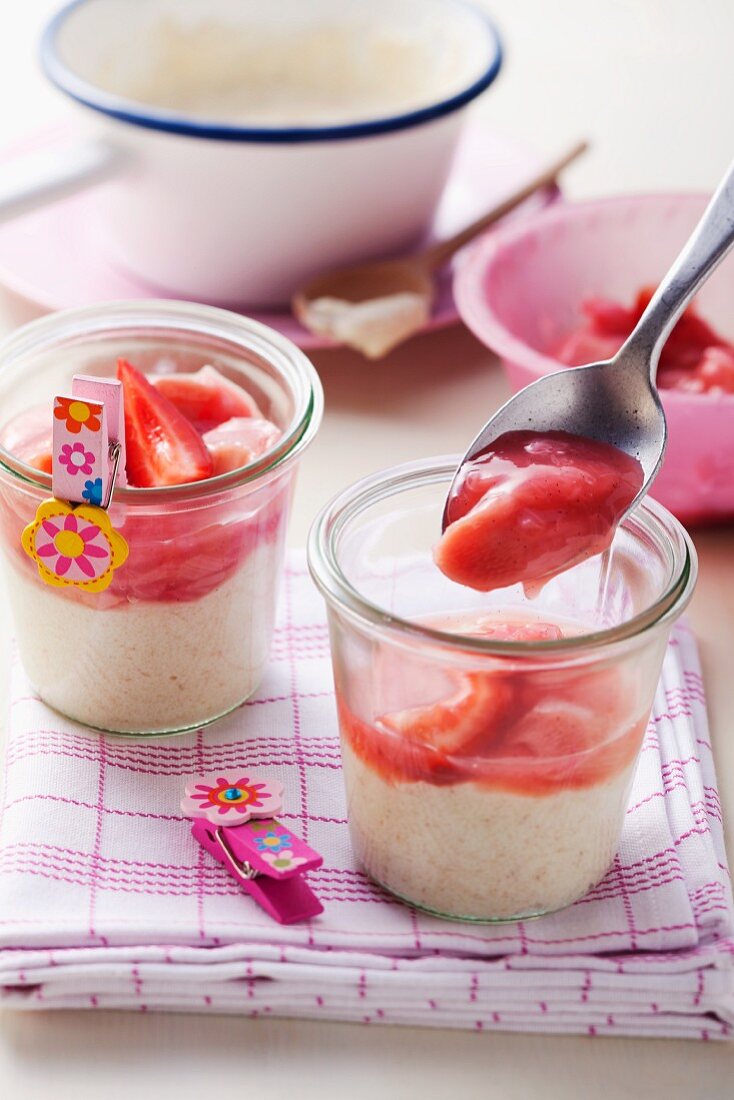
(71, 539)
(233, 820)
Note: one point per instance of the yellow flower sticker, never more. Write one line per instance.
(74, 547)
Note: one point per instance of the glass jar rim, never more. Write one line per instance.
(292, 365)
(339, 592)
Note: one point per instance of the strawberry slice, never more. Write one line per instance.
(608, 324)
(206, 397)
(531, 732)
(610, 319)
(163, 447)
(42, 462)
(239, 441)
(474, 716)
(691, 335)
(452, 725)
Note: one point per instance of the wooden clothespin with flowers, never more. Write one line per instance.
(71, 538)
(233, 819)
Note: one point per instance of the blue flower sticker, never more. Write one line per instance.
(274, 842)
(93, 491)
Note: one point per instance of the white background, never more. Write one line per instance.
(651, 82)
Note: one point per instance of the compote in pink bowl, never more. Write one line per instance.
(561, 288)
(218, 411)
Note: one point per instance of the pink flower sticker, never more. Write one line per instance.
(73, 547)
(77, 459)
(231, 800)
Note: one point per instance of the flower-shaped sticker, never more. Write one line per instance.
(93, 491)
(273, 841)
(74, 547)
(77, 459)
(231, 801)
(283, 861)
(78, 414)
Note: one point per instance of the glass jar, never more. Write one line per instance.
(489, 740)
(182, 634)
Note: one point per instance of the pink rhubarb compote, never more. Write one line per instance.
(695, 358)
(532, 505)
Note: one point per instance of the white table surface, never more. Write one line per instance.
(652, 83)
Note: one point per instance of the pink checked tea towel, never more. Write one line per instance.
(106, 901)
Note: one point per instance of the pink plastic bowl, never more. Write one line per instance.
(519, 290)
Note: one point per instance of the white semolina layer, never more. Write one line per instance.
(470, 851)
(148, 666)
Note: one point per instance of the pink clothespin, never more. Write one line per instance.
(233, 820)
(88, 452)
(71, 538)
(107, 391)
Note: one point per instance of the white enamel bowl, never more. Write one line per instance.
(242, 213)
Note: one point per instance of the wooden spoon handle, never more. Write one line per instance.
(439, 253)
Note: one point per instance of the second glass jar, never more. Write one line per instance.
(489, 741)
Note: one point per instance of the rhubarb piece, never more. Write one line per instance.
(206, 397)
(239, 441)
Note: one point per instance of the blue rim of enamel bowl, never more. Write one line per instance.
(126, 110)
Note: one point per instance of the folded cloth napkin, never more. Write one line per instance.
(106, 901)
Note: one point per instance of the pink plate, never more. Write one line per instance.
(51, 257)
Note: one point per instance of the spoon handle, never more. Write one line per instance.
(706, 248)
(439, 253)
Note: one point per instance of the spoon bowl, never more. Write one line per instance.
(611, 402)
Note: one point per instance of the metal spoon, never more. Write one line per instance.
(413, 275)
(617, 401)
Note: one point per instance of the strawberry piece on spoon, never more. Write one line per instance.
(163, 447)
